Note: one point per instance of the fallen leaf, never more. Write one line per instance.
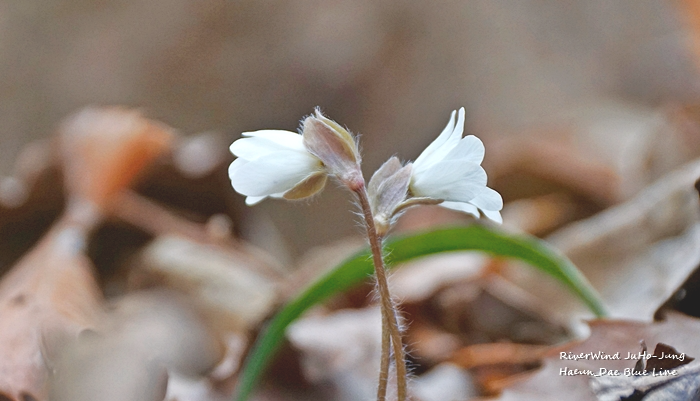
(342, 348)
(104, 149)
(681, 384)
(416, 281)
(540, 215)
(430, 344)
(445, 382)
(498, 353)
(636, 254)
(49, 295)
(666, 357)
(229, 284)
(605, 151)
(690, 11)
(568, 369)
(142, 340)
(654, 376)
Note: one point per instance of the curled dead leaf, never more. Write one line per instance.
(104, 149)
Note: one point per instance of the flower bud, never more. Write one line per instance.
(335, 147)
(387, 190)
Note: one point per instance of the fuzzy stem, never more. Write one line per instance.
(385, 359)
(386, 303)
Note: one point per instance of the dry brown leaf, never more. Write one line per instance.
(229, 284)
(415, 281)
(342, 348)
(540, 215)
(663, 375)
(49, 295)
(104, 149)
(430, 344)
(606, 151)
(480, 313)
(608, 337)
(107, 371)
(690, 11)
(143, 339)
(636, 254)
(445, 382)
(159, 221)
(493, 364)
(498, 353)
(556, 161)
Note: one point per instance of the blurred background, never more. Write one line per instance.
(390, 71)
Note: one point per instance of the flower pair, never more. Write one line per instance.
(284, 164)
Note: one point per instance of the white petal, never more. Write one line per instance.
(461, 207)
(273, 173)
(260, 143)
(469, 148)
(252, 148)
(290, 139)
(459, 127)
(495, 216)
(488, 199)
(235, 166)
(441, 146)
(439, 141)
(451, 180)
(254, 200)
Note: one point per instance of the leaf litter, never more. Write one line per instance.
(61, 338)
(476, 328)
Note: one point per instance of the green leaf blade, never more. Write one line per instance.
(402, 249)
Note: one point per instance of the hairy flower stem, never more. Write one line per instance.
(385, 359)
(389, 313)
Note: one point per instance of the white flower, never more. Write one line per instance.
(450, 169)
(274, 163)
